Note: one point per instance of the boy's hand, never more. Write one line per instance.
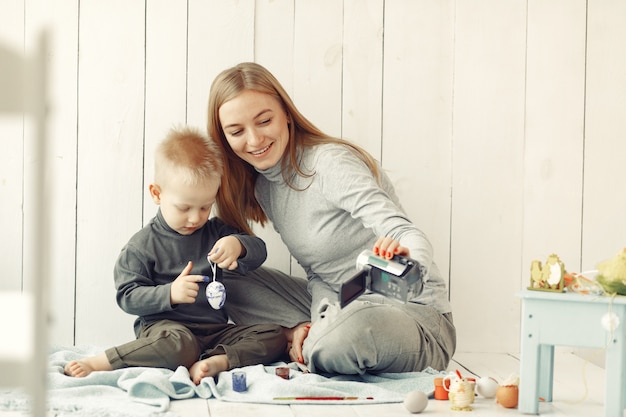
(184, 289)
(226, 251)
(387, 247)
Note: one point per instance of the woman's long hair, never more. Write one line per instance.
(236, 202)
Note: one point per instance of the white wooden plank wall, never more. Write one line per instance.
(503, 124)
(605, 129)
(487, 157)
(11, 164)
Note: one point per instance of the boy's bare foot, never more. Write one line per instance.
(210, 366)
(83, 367)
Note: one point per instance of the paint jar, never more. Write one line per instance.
(239, 381)
(282, 372)
(440, 392)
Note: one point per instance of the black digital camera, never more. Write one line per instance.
(399, 278)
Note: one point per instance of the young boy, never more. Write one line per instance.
(161, 274)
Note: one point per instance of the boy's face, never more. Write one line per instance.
(185, 208)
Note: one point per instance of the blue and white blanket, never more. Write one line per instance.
(148, 391)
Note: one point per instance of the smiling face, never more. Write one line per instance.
(256, 128)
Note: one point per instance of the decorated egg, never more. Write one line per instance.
(507, 396)
(216, 294)
(416, 401)
(487, 387)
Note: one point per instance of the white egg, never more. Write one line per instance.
(610, 321)
(416, 401)
(487, 387)
(216, 294)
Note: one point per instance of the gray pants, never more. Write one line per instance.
(170, 344)
(372, 334)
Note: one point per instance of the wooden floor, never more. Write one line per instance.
(578, 391)
(573, 376)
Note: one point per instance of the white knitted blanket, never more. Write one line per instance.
(148, 391)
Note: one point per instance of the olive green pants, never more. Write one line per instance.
(170, 344)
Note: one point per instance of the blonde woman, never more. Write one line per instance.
(329, 200)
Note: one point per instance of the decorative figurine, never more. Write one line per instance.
(460, 393)
(548, 277)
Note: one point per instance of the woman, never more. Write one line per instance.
(328, 200)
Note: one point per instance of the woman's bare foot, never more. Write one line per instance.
(83, 367)
(210, 366)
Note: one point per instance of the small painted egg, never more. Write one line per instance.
(416, 401)
(216, 294)
(487, 387)
(507, 396)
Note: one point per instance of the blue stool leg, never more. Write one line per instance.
(546, 372)
(530, 364)
(615, 390)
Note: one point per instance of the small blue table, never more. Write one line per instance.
(567, 319)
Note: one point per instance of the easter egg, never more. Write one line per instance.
(216, 294)
(416, 401)
(507, 396)
(487, 387)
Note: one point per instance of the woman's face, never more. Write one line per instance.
(256, 128)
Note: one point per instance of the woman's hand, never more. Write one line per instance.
(295, 340)
(387, 247)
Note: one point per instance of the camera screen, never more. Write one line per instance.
(352, 288)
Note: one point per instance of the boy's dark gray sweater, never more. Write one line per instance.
(156, 255)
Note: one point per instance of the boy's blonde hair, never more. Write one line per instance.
(188, 154)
